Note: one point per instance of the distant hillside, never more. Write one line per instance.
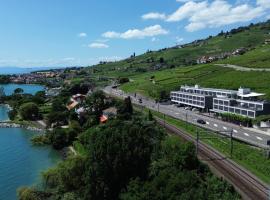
(154, 73)
(257, 58)
(186, 55)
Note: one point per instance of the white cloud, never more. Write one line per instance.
(137, 33)
(154, 39)
(81, 35)
(154, 15)
(205, 14)
(179, 39)
(98, 45)
(264, 3)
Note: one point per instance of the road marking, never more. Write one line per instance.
(225, 128)
(177, 113)
(259, 138)
(215, 125)
(235, 131)
(246, 134)
(207, 123)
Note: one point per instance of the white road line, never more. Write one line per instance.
(207, 123)
(215, 125)
(235, 131)
(246, 134)
(259, 138)
(177, 113)
(225, 128)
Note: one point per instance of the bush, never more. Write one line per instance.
(29, 111)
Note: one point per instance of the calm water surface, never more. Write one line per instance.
(29, 89)
(20, 162)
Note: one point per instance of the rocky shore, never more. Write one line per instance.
(6, 124)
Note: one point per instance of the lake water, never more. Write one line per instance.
(29, 89)
(20, 162)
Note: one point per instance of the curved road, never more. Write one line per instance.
(243, 134)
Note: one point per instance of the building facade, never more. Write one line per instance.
(241, 102)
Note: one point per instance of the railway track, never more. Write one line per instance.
(248, 186)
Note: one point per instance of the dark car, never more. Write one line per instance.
(201, 121)
(140, 100)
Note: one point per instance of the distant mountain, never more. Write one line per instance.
(22, 70)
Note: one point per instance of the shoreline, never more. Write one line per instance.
(10, 124)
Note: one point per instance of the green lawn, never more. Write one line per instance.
(257, 58)
(249, 157)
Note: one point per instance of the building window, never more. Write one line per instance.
(215, 107)
(220, 107)
(226, 103)
(237, 111)
(250, 114)
(226, 108)
(231, 110)
(215, 101)
(243, 112)
(259, 107)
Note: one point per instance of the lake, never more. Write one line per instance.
(27, 88)
(20, 162)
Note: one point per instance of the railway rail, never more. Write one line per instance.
(248, 186)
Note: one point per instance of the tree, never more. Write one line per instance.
(118, 151)
(29, 111)
(125, 110)
(12, 114)
(96, 104)
(161, 60)
(18, 91)
(150, 115)
(59, 138)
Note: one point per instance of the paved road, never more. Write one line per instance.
(244, 69)
(243, 134)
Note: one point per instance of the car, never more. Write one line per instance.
(201, 121)
(140, 100)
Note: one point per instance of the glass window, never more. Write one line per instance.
(243, 112)
(250, 113)
(237, 111)
(226, 108)
(220, 107)
(231, 109)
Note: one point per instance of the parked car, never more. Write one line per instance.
(201, 121)
(140, 100)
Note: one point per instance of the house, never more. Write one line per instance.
(108, 113)
(267, 41)
(78, 97)
(72, 105)
(239, 51)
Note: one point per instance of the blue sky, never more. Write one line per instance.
(61, 33)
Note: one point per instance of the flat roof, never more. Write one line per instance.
(252, 94)
(210, 89)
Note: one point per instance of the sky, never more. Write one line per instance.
(61, 33)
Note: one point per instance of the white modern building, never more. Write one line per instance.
(241, 102)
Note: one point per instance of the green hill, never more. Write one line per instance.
(174, 66)
(257, 58)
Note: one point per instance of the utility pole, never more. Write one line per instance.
(231, 134)
(197, 142)
(164, 120)
(186, 120)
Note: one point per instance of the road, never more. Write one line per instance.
(213, 124)
(244, 69)
(249, 186)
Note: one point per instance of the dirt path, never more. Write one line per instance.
(244, 69)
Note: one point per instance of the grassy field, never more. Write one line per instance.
(247, 156)
(204, 75)
(257, 58)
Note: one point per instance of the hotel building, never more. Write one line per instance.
(241, 102)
